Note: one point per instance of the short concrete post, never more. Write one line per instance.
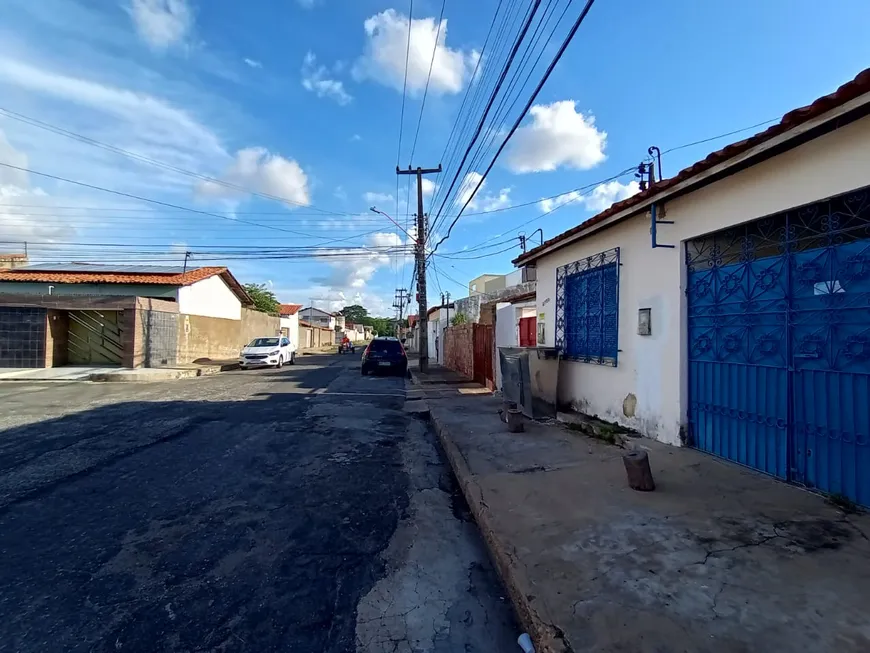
(515, 420)
(637, 469)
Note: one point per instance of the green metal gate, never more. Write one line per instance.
(95, 338)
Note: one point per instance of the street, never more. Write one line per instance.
(298, 509)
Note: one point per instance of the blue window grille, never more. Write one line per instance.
(587, 309)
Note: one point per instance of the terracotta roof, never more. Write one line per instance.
(289, 309)
(146, 278)
(13, 257)
(847, 92)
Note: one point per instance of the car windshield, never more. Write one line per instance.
(391, 346)
(264, 342)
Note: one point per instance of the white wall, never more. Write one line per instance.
(291, 323)
(437, 323)
(652, 369)
(505, 335)
(210, 297)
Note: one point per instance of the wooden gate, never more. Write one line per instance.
(483, 353)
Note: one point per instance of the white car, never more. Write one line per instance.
(268, 350)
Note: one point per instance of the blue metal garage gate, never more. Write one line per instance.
(779, 345)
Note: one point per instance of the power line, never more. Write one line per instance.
(152, 201)
(428, 78)
(714, 138)
(471, 258)
(517, 43)
(144, 159)
(525, 110)
(405, 84)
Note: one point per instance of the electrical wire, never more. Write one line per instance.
(428, 78)
(714, 138)
(525, 110)
(471, 258)
(405, 84)
(152, 201)
(144, 159)
(517, 43)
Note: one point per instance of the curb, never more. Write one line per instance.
(547, 637)
(126, 377)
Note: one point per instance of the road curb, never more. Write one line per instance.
(151, 377)
(547, 637)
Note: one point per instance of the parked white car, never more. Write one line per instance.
(268, 350)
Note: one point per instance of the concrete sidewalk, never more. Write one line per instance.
(718, 558)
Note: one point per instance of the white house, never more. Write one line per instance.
(739, 321)
(317, 317)
(206, 291)
(289, 314)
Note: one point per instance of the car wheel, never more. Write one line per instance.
(292, 358)
(280, 363)
(364, 371)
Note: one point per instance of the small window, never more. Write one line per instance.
(587, 308)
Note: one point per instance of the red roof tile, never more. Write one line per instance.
(146, 278)
(289, 309)
(847, 92)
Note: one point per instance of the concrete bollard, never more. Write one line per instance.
(515, 420)
(637, 469)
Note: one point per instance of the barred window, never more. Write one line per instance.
(587, 308)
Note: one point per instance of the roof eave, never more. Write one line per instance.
(752, 156)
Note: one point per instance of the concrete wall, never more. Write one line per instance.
(459, 349)
(648, 390)
(505, 335)
(210, 297)
(218, 338)
(470, 306)
(316, 337)
(101, 289)
(291, 324)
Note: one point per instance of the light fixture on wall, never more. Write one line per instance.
(644, 322)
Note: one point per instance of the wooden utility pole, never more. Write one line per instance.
(421, 262)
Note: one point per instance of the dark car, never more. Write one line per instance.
(385, 354)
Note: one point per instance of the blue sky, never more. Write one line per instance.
(300, 99)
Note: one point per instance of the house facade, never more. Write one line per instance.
(289, 321)
(318, 318)
(133, 316)
(728, 308)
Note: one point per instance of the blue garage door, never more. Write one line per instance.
(779, 345)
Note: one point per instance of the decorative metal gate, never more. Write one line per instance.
(95, 338)
(779, 345)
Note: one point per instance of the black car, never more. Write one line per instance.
(385, 354)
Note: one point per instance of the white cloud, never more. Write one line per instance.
(355, 138)
(601, 197)
(17, 224)
(481, 201)
(315, 79)
(253, 63)
(558, 136)
(161, 23)
(352, 274)
(467, 189)
(428, 187)
(551, 203)
(375, 198)
(383, 60)
(258, 170)
(606, 194)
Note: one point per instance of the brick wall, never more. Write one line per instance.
(459, 349)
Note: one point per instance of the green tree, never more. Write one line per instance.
(355, 313)
(264, 299)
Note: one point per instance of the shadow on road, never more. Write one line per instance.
(198, 525)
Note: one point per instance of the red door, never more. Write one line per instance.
(482, 344)
(527, 332)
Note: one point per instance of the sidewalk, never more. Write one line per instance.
(718, 558)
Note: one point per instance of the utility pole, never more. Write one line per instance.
(421, 262)
(403, 298)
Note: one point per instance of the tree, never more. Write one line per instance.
(354, 313)
(264, 299)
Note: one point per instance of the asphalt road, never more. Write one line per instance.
(276, 510)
